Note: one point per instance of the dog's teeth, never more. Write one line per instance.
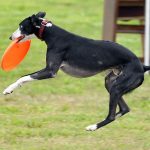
(91, 127)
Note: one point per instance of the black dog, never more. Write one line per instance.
(83, 57)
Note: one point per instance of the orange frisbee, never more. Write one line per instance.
(14, 54)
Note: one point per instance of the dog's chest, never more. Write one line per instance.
(76, 71)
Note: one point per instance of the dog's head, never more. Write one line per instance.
(28, 27)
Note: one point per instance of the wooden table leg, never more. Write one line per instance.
(110, 18)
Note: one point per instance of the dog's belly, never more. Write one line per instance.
(76, 71)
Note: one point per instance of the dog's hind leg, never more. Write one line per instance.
(124, 83)
(123, 107)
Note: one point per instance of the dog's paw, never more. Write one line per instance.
(91, 127)
(9, 89)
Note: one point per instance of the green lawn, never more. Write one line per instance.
(53, 114)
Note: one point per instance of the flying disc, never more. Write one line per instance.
(14, 54)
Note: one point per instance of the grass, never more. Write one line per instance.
(53, 114)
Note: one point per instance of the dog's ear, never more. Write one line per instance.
(41, 14)
(35, 20)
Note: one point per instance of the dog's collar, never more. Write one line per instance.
(44, 23)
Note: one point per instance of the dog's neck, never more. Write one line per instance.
(40, 29)
(50, 33)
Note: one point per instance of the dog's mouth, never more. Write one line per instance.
(21, 38)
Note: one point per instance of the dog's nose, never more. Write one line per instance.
(10, 38)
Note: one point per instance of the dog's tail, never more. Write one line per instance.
(146, 68)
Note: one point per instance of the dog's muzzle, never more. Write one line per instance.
(19, 38)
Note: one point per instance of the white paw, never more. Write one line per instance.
(10, 89)
(7, 91)
(91, 127)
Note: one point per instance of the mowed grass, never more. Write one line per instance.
(52, 114)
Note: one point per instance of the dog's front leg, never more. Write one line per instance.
(53, 62)
(17, 84)
(42, 74)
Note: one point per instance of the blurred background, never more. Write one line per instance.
(52, 114)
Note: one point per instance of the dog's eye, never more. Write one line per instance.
(21, 27)
(25, 29)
